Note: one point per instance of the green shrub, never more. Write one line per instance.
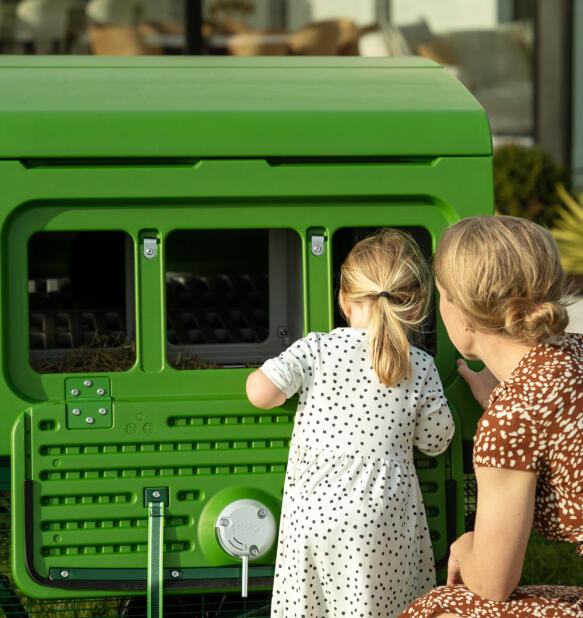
(525, 183)
(568, 232)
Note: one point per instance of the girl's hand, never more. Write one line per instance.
(481, 383)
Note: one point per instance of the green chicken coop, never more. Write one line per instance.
(167, 225)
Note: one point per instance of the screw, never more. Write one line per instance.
(224, 522)
(175, 574)
(75, 392)
(65, 573)
(317, 250)
(90, 420)
(253, 550)
(87, 383)
(282, 331)
(149, 251)
(262, 513)
(76, 411)
(156, 494)
(100, 391)
(102, 410)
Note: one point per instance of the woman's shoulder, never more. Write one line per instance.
(540, 401)
(544, 364)
(547, 376)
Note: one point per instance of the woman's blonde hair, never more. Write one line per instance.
(388, 270)
(505, 275)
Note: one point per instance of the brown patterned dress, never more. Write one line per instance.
(534, 421)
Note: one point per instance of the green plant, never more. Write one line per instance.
(525, 183)
(568, 231)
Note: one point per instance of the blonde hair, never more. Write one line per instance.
(389, 263)
(505, 275)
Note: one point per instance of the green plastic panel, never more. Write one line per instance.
(237, 107)
(78, 493)
(79, 515)
(149, 147)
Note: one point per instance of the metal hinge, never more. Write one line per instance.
(88, 402)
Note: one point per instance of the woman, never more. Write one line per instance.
(502, 293)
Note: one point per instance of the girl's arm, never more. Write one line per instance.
(262, 392)
(490, 559)
(434, 425)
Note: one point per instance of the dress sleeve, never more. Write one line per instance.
(434, 426)
(293, 367)
(507, 435)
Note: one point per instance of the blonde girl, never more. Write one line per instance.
(353, 535)
(502, 299)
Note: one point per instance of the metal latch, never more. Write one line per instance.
(150, 247)
(318, 244)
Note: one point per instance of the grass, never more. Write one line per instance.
(549, 562)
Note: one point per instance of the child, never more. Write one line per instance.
(353, 535)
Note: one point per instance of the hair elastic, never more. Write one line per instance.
(384, 295)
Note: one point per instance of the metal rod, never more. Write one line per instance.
(155, 558)
(244, 575)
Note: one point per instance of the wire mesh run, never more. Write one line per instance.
(470, 500)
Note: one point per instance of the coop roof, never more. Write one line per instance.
(148, 106)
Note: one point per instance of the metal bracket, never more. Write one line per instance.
(150, 247)
(318, 244)
(88, 401)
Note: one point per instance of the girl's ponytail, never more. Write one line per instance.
(388, 343)
(388, 271)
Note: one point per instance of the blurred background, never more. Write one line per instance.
(522, 60)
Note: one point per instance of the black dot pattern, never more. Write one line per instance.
(353, 538)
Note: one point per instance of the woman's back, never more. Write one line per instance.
(535, 422)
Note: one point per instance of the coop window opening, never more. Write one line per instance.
(342, 242)
(233, 296)
(81, 301)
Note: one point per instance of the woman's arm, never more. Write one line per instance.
(262, 392)
(490, 559)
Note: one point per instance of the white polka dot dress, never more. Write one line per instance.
(353, 537)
